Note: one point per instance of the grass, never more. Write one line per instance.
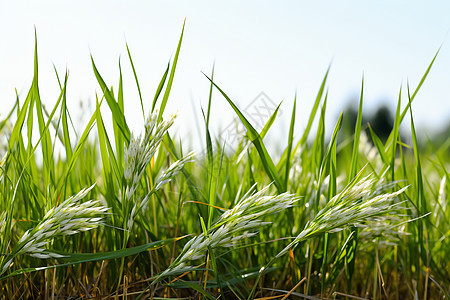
(120, 215)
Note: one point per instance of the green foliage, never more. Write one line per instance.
(346, 216)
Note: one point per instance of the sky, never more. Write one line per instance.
(280, 48)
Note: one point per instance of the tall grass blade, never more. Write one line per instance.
(353, 243)
(171, 76)
(314, 109)
(69, 259)
(422, 80)
(289, 147)
(256, 139)
(419, 192)
(160, 87)
(117, 113)
(137, 81)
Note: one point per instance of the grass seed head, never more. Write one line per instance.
(173, 170)
(236, 224)
(356, 205)
(141, 150)
(68, 218)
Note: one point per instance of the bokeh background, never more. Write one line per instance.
(277, 47)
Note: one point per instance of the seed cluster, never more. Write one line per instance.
(68, 218)
(238, 223)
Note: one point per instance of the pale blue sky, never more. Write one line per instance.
(278, 47)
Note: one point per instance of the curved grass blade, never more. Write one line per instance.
(117, 113)
(137, 81)
(376, 140)
(422, 80)
(77, 258)
(256, 139)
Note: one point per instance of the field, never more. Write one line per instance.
(353, 216)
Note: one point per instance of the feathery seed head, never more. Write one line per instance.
(236, 224)
(173, 170)
(359, 205)
(141, 150)
(70, 217)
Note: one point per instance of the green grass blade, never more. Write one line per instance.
(77, 258)
(208, 113)
(318, 147)
(78, 150)
(171, 76)
(353, 244)
(330, 152)
(422, 80)
(312, 116)
(199, 289)
(213, 175)
(256, 139)
(160, 87)
(102, 137)
(192, 185)
(216, 271)
(117, 113)
(30, 127)
(47, 150)
(119, 141)
(269, 122)
(210, 165)
(8, 117)
(419, 193)
(314, 109)
(395, 135)
(137, 81)
(380, 147)
(289, 147)
(17, 129)
(64, 120)
(57, 76)
(354, 164)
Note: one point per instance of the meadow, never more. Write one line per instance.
(129, 215)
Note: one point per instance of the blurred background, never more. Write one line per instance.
(278, 48)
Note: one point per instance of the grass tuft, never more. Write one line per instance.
(352, 215)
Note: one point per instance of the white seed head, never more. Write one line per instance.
(141, 150)
(70, 217)
(238, 223)
(357, 205)
(173, 170)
